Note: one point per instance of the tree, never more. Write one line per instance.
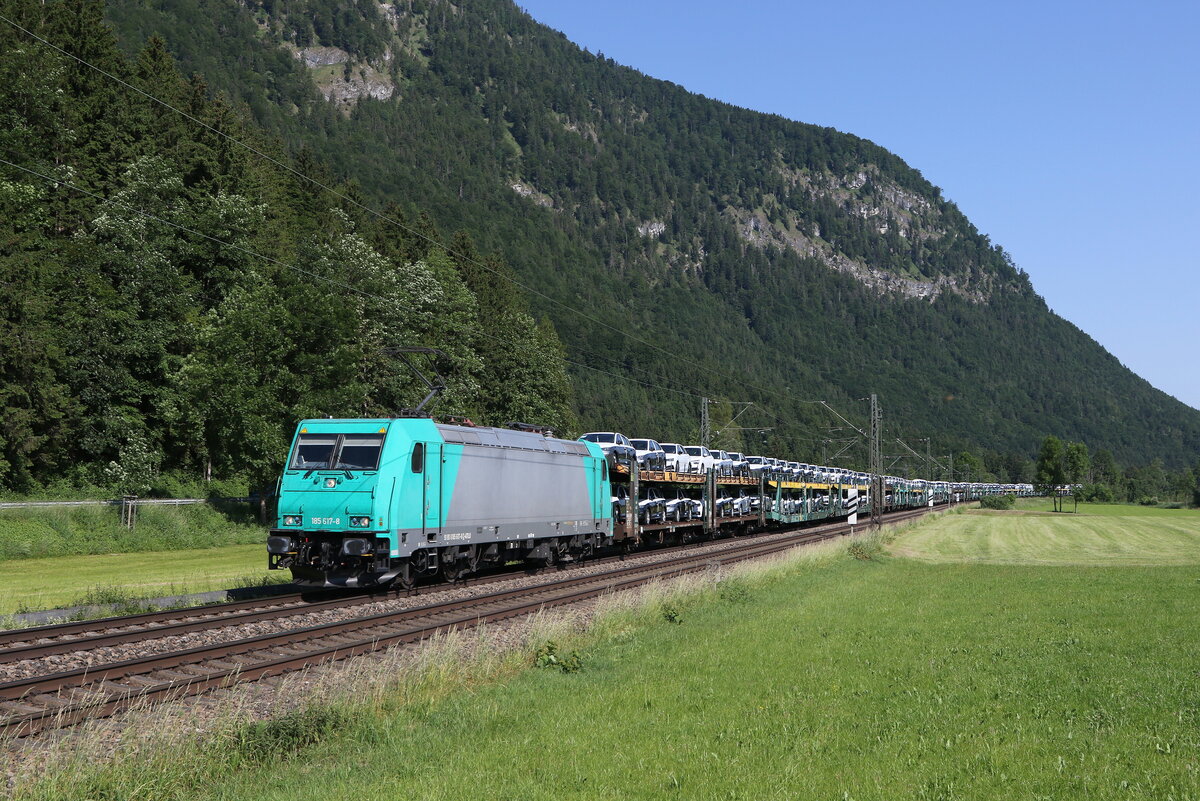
(1050, 474)
(1076, 466)
(1104, 468)
(1076, 462)
(968, 465)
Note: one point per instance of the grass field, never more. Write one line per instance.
(882, 678)
(1099, 534)
(32, 584)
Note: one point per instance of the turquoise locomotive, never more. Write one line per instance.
(365, 502)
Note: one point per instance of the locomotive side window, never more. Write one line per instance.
(360, 452)
(418, 457)
(313, 451)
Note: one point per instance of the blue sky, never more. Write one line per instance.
(1069, 132)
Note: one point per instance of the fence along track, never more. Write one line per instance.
(64, 699)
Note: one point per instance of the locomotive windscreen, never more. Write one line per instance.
(360, 452)
(353, 452)
(314, 451)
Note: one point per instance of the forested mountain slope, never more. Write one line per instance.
(779, 261)
(680, 247)
(172, 303)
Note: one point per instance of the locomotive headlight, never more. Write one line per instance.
(360, 522)
(330, 483)
(291, 520)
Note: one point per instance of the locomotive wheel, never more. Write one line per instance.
(453, 568)
(404, 579)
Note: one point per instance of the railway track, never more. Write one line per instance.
(34, 704)
(39, 642)
(61, 638)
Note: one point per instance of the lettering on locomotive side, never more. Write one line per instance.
(326, 521)
(461, 535)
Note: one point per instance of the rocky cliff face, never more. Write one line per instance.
(866, 195)
(344, 80)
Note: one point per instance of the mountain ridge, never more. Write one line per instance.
(484, 99)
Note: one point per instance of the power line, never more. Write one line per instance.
(293, 267)
(365, 208)
(401, 226)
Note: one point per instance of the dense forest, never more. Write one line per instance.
(459, 176)
(173, 302)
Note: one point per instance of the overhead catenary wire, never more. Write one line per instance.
(371, 211)
(293, 267)
(409, 229)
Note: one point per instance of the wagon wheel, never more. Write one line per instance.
(558, 552)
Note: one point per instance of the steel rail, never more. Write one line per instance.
(126, 629)
(31, 643)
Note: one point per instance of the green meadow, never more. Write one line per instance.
(67, 556)
(34, 584)
(856, 674)
(1098, 534)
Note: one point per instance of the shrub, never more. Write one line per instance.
(863, 549)
(734, 591)
(547, 656)
(997, 502)
(59, 531)
(263, 741)
(1099, 493)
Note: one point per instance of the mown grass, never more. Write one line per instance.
(856, 676)
(35, 584)
(1100, 534)
(32, 533)
(1114, 509)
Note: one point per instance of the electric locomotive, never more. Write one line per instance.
(367, 502)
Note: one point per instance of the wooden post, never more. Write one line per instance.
(128, 511)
